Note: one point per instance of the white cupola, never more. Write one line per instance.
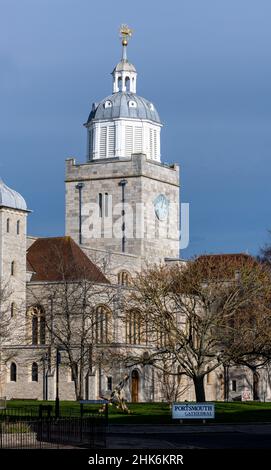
(123, 123)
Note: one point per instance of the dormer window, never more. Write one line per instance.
(132, 104)
(151, 106)
(108, 104)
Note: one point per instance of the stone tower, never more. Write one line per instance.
(13, 215)
(123, 199)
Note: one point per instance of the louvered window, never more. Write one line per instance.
(111, 141)
(103, 142)
(151, 143)
(90, 143)
(128, 141)
(138, 139)
(155, 144)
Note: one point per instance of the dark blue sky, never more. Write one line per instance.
(205, 64)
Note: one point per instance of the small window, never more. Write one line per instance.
(13, 372)
(151, 107)
(12, 268)
(106, 204)
(35, 372)
(123, 278)
(8, 225)
(132, 104)
(100, 204)
(233, 385)
(18, 227)
(109, 384)
(108, 104)
(12, 309)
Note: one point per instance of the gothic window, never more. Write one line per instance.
(13, 372)
(35, 372)
(36, 325)
(18, 227)
(123, 278)
(34, 329)
(8, 225)
(133, 328)
(103, 324)
(12, 268)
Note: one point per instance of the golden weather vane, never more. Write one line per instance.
(125, 34)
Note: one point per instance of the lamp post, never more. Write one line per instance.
(58, 360)
(226, 382)
(45, 376)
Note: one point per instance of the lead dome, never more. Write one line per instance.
(10, 198)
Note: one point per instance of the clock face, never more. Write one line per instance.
(161, 204)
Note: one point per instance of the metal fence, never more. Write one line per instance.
(24, 428)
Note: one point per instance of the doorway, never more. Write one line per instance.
(135, 386)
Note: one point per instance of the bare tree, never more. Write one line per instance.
(247, 338)
(76, 310)
(185, 310)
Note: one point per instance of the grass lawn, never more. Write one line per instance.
(159, 413)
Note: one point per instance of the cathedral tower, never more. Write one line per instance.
(13, 215)
(123, 199)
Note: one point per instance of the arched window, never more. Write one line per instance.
(36, 325)
(127, 83)
(12, 309)
(123, 278)
(13, 372)
(103, 324)
(34, 329)
(18, 227)
(120, 84)
(133, 328)
(35, 372)
(42, 330)
(12, 268)
(8, 225)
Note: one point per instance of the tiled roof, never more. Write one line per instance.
(60, 258)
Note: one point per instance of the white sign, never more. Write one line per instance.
(193, 410)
